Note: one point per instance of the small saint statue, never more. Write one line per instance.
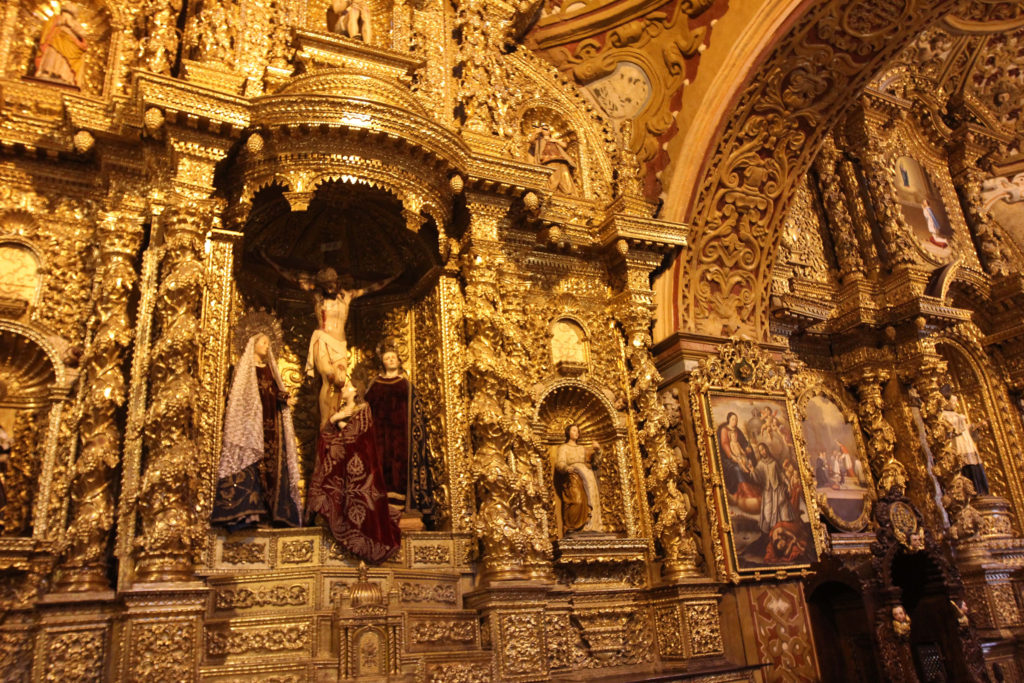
(258, 476)
(576, 484)
(328, 349)
(966, 448)
(350, 18)
(62, 47)
(400, 426)
(549, 148)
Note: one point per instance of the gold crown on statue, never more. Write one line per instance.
(258, 321)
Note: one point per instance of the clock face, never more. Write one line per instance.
(19, 273)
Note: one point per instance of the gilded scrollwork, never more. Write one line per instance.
(511, 520)
(274, 596)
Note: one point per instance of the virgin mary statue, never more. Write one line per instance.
(259, 469)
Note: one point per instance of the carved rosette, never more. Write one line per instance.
(170, 529)
(84, 548)
(510, 521)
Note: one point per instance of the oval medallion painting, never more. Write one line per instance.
(840, 475)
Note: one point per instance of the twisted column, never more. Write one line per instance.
(927, 370)
(85, 547)
(168, 495)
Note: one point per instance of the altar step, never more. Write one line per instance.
(279, 611)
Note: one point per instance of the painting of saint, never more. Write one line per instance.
(765, 499)
(922, 207)
(839, 472)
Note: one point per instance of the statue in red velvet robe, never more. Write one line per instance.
(401, 437)
(347, 487)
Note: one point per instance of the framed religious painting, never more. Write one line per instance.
(765, 516)
(834, 454)
(922, 208)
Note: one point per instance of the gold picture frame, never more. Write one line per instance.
(764, 520)
(835, 455)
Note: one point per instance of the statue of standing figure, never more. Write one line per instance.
(576, 484)
(966, 448)
(401, 434)
(351, 18)
(328, 350)
(62, 47)
(549, 148)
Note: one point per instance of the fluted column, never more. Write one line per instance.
(169, 488)
(86, 545)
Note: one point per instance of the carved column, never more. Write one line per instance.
(877, 187)
(170, 479)
(671, 509)
(507, 468)
(921, 365)
(881, 443)
(964, 157)
(844, 239)
(87, 542)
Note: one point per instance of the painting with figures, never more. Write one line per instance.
(840, 474)
(922, 208)
(765, 500)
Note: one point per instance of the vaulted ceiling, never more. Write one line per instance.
(731, 99)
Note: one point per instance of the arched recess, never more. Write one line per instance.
(33, 382)
(571, 401)
(761, 146)
(986, 403)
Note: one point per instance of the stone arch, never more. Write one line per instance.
(764, 132)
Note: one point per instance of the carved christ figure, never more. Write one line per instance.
(328, 350)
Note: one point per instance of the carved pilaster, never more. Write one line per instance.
(86, 543)
(671, 508)
(507, 466)
(171, 474)
(844, 239)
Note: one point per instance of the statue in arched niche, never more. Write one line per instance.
(328, 349)
(965, 446)
(550, 148)
(62, 47)
(350, 18)
(576, 483)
